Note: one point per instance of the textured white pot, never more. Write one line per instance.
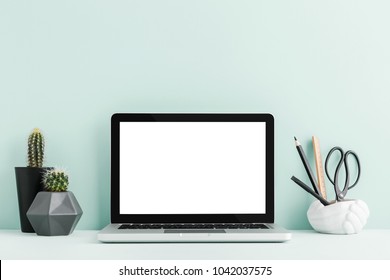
(344, 217)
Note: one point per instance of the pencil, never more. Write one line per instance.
(309, 190)
(319, 167)
(306, 165)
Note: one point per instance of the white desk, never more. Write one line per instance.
(307, 245)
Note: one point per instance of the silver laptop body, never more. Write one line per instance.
(192, 178)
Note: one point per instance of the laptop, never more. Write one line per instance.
(179, 177)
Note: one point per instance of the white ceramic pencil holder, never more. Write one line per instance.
(342, 217)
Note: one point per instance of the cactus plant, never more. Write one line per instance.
(36, 146)
(55, 180)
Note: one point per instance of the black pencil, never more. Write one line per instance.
(309, 190)
(306, 165)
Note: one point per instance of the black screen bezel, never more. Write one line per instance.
(117, 217)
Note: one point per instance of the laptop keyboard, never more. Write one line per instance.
(194, 226)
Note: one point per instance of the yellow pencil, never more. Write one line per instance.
(319, 167)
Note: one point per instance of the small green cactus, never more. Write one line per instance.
(36, 146)
(55, 180)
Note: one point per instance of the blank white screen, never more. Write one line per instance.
(192, 168)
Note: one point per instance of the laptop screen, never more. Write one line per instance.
(192, 168)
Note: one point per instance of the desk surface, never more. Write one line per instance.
(304, 245)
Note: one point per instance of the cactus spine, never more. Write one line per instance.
(36, 146)
(55, 180)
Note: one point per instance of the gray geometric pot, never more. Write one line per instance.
(54, 213)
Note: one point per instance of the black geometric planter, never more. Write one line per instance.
(28, 184)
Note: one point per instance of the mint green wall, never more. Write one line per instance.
(321, 67)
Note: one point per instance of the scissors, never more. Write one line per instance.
(341, 193)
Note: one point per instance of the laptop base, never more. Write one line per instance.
(111, 234)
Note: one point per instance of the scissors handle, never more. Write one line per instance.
(347, 167)
(340, 194)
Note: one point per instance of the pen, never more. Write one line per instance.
(309, 190)
(306, 165)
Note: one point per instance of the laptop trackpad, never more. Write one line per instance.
(194, 231)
